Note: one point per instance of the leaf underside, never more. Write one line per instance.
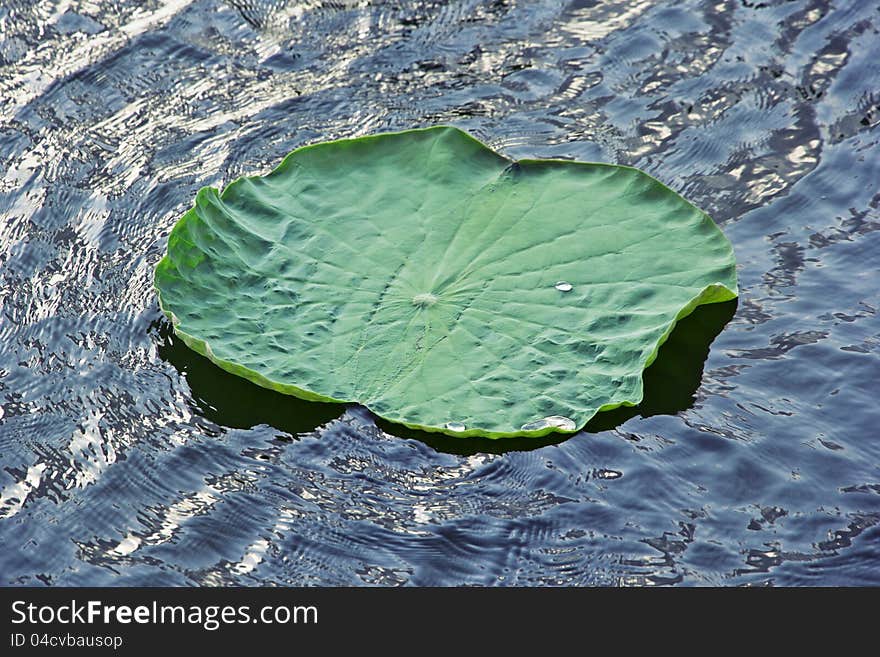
(416, 273)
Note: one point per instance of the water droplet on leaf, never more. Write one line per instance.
(564, 286)
(455, 426)
(556, 421)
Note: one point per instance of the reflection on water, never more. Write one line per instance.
(125, 459)
(231, 401)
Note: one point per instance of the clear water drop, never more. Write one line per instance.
(561, 422)
(564, 286)
(537, 425)
(455, 426)
(555, 421)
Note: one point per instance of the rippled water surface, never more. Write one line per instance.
(127, 460)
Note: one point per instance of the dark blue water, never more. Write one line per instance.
(127, 460)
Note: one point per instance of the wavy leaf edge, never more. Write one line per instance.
(713, 293)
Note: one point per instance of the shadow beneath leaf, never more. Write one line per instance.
(228, 400)
(231, 401)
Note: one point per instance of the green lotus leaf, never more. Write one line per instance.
(440, 284)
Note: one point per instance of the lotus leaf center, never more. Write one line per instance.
(424, 300)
